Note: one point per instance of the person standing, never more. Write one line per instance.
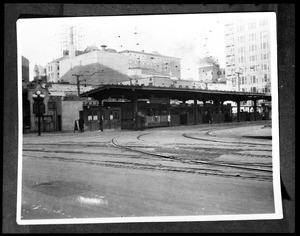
(81, 124)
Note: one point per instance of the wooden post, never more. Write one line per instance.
(100, 115)
(195, 110)
(238, 110)
(255, 109)
(135, 109)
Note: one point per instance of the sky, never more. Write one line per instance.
(187, 36)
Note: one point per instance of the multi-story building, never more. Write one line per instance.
(248, 54)
(72, 35)
(64, 89)
(25, 69)
(164, 65)
(209, 73)
(95, 66)
(165, 81)
(53, 70)
(39, 71)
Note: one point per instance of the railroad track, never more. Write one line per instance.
(263, 171)
(186, 135)
(188, 159)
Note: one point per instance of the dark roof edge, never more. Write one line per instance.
(108, 86)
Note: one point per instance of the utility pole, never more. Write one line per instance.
(238, 74)
(78, 82)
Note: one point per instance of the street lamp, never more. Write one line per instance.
(38, 107)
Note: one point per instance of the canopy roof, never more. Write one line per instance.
(183, 94)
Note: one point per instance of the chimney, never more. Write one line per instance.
(103, 47)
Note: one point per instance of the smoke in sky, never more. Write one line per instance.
(208, 60)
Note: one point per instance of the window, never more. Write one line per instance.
(252, 37)
(241, 59)
(264, 56)
(252, 25)
(252, 47)
(264, 45)
(253, 58)
(263, 22)
(264, 35)
(266, 77)
(240, 28)
(241, 39)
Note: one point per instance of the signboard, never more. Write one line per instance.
(160, 100)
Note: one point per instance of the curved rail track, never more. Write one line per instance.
(259, 170)
(199, 157)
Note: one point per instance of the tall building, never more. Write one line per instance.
(39, 71)
(72, 35)
(248, 54)
(25, 69)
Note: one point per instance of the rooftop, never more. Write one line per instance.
(146, 53)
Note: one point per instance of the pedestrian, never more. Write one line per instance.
(76, 126)
(81, 125)
(143, 121)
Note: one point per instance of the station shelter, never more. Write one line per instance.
(135, 107)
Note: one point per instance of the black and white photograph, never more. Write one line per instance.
(148, 118)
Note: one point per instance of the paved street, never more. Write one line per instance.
(213, 169)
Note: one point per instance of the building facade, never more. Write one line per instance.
(64, 89)
(72, 35)
(209, 73)
(39, 71)
(25, 69)
(164, 65)
(248, 54)
(95, 62)
(53, 70)
(164, 81)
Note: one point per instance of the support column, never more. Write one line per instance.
(216, 105)
(134, 103)
(195, 110)
(186, 113)
(255, 109)
(100, 115)
(238, 103)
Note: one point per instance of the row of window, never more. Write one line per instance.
(50, 68)
(251, 80)
(255, 90)
(252, 68)
(252, 25)
(251, 37)
(252, 58)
